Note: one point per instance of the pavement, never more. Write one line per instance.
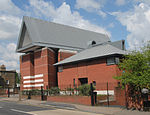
(14, 108)
(73, 108)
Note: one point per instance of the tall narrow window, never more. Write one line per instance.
(117, 60)
(60, 69)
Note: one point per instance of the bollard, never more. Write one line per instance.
(20, 93)
(8, 92)
(107, 95)
(92, 96)
(42, 96)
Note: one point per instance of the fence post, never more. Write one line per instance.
(42, 97)
(95, 96)
(29, 95)
(70, 89)
(20, 94)
(92, 96)
(126, 102)
(8, 92)
(107, 95)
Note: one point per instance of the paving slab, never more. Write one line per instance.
(83, 108)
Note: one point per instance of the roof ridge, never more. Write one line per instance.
(71, 26)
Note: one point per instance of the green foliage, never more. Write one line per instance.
(84, 90)
(35, 92)
(70, 89)
(54, 91)
(32, 92)
(17, 78)
(136, 69)
(25, 92)
(1, 87)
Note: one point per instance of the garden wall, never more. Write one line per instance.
(84, 100)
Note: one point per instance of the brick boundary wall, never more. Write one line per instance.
(83, 100)
(120, 96)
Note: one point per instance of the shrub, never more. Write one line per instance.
(32, 92)
(1, 87)
(54, 91)
(70, 89)
(84, 90)
(35, 92)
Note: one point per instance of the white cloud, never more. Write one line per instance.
(41, 8)
(120, 2)
(137, 22)
(9, 26)
(142, 1)
(101, 13)
(91, 6)
(111, 25)
(7, 6)
(9, 56)
(10, 22)
(88, 5)
(64, 15)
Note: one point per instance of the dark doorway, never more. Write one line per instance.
(83, 81)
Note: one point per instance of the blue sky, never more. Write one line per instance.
(119, 19)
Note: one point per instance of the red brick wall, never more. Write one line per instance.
(63, 55)
(39, 62)
(43, 64)
(120, 97)
(95, 70)
(26, 66)
(84, 100)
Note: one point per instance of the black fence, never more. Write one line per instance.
(9, 91)
(100, 92)
(83, 90)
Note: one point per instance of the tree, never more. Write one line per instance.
(136, 69)
(17, 78)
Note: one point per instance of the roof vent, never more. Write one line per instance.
(91, 43)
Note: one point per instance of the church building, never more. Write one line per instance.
(60, 55)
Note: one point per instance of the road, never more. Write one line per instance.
(13, 108)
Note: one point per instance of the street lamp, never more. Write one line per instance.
(7, 82)
(145, 91)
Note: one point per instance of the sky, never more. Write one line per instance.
(119, 19)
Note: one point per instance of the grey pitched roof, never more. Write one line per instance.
(49, 34)
(119, 44)
(94, 52)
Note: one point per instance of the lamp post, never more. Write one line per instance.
(8, 88)
(145, 92)
(146, 103)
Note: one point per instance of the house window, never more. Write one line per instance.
(60, 69)
(117, 60)
(112, 60)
